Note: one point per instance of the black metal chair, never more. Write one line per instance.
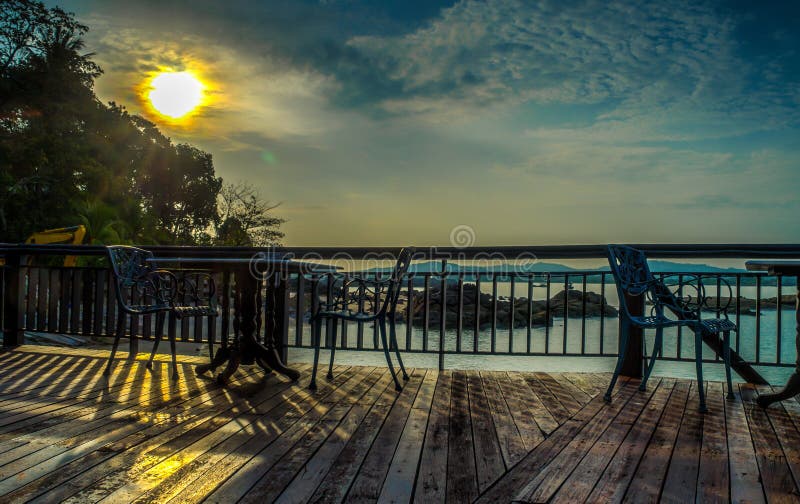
(670, 306)
(375, 301)
(144, 289)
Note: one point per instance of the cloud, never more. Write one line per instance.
(536, 122)
(673, 66)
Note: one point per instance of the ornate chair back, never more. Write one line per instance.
(633, 277)
(139, 286)
(404, 259)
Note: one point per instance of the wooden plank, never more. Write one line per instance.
(587, 382)
(65, 288)
(604, 474)
(99, 301)
(488, 457)
(226, 426)
(431, 483)
(517, 387)
(41, 299)
(369, 481)
(575, 393)
(120, 462)
(745, 481)
(305, 483)
(776, 477)
(462, 482)
(529, 431)
(537, 461)
(558, 411)
(55, 295)
(86, 299)
(242, 468)
(41, 461)
(274, 480)
(76, 294)
(344, 470)
(112, 305)
(713, 478)
(649, 476)
(680, 484)
(512, 446)
(55, 423)
(30, 298)
(399, 483)
(28, 377)
(784, 421)
(542, 487)
(65, 435)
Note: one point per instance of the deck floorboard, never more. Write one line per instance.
(67, 434)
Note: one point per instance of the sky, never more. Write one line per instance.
(484, 123)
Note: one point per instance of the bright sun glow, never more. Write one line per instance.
(175, 94)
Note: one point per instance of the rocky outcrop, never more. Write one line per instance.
(540, 313)
(748, 306)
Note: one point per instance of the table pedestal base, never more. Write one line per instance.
(268, 359)
(246, 349)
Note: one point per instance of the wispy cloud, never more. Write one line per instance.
(380, 123)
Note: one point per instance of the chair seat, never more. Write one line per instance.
(655, 321)
(195, 311)
(151, 308)
(347, 315)
(717, 325)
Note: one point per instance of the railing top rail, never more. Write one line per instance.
(693, 250)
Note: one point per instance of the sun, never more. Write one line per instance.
(175, 94)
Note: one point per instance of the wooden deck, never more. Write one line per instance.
(66, 433)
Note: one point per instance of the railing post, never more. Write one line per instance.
(13, 302)
(283, 305)
(632, 363)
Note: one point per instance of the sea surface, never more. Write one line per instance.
(577, 335)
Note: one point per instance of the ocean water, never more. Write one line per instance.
(576, 335)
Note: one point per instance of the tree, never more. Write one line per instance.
(67, 158)
(245, 219)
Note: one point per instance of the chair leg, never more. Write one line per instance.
(317, 335)
(698, 360)
(333, 347)
(117, 336)
(657, 346)
(213, 321)
(160, 316)
(133, 346)
(174, 358)
(726, 338)
(623, 347)
(393, 340)
(382, 324)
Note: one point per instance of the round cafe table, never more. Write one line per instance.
(248, 273)
(787, 268)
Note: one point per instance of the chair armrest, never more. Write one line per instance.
(696, 300)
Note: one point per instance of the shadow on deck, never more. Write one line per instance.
(68, 433)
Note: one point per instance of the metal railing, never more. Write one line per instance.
(469, 311)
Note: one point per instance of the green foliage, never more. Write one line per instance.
(66, 158)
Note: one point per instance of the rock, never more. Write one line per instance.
(539, 314)
(748, 306)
